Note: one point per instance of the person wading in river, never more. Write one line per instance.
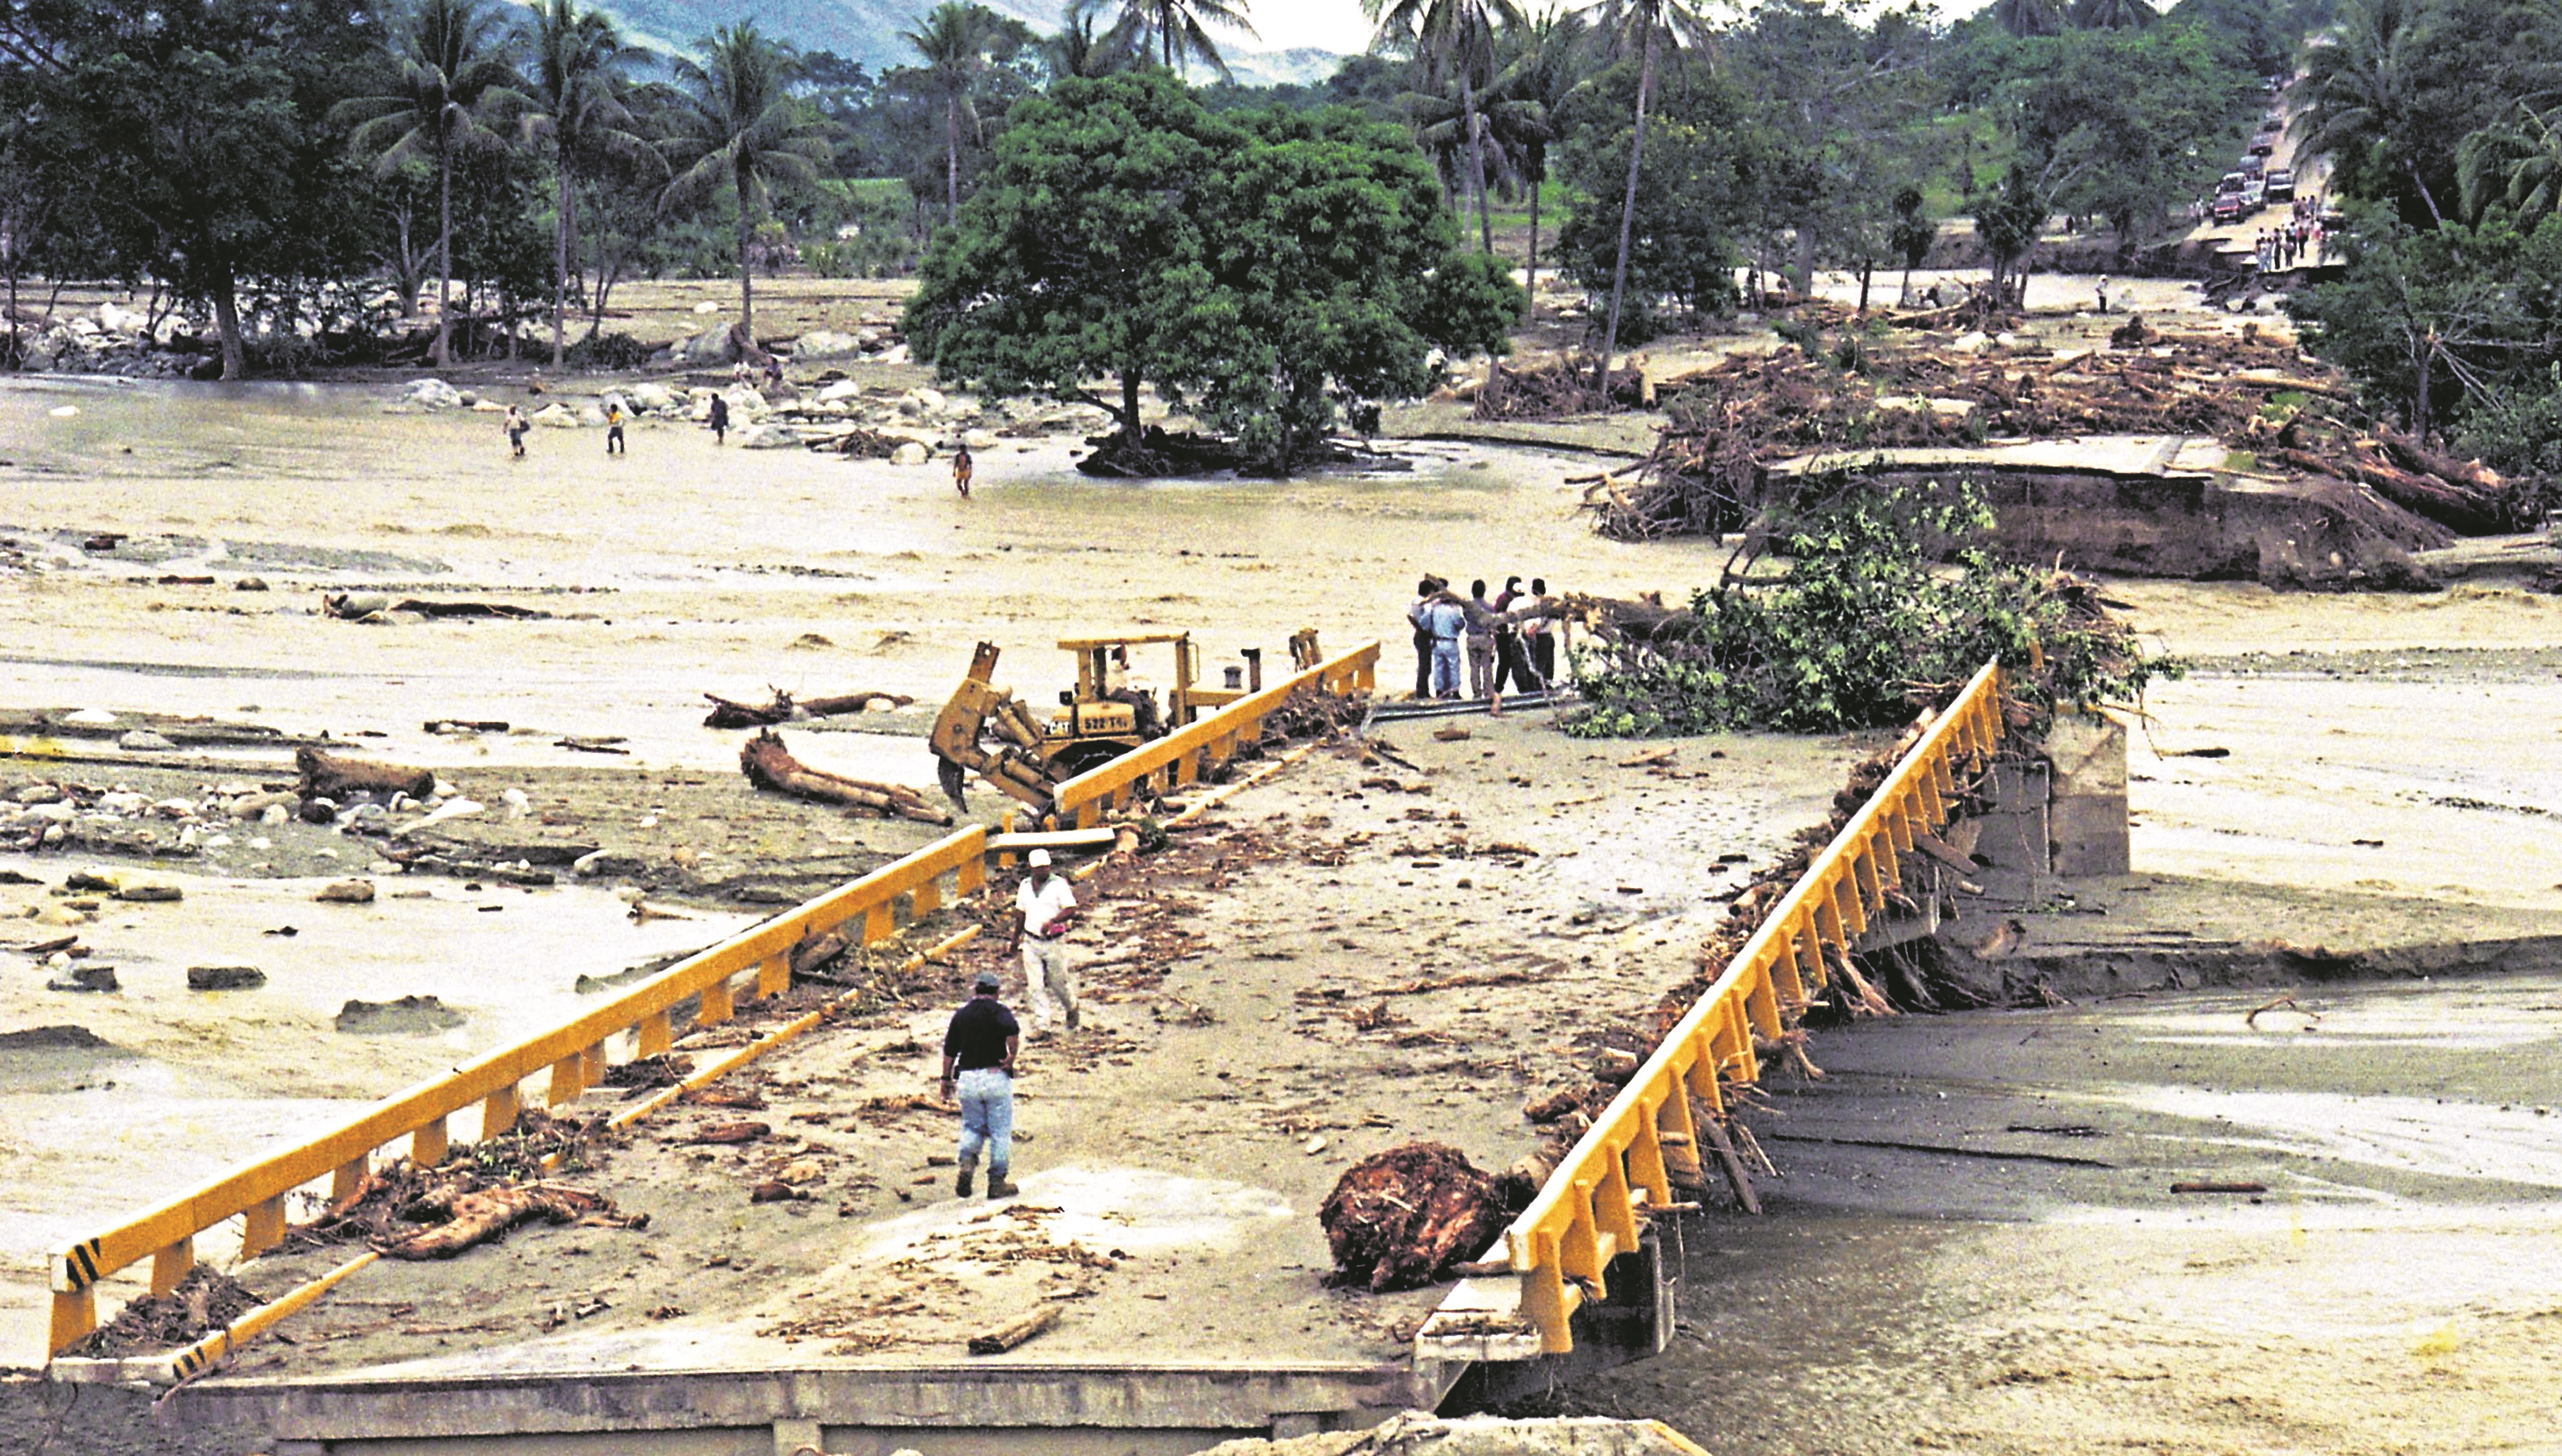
(978, 1050)
(720, 419)
(516, 432)
(614, 445)
(963, 468)
(1044, 907)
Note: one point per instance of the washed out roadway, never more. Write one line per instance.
(1169, 1196)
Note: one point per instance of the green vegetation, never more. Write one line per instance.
(321, 163)
(1882, 605)
(2442, 116)
(1268, 265)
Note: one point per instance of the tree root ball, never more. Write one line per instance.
(1399, 1219)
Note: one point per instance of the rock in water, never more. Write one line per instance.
(225, 977)
(1399, 1219)
(410, 1015)
(346, 892)
(824, 344)
(53, 1038)
(910, 453)
(81, 978)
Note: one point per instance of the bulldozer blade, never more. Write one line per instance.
(955, 783)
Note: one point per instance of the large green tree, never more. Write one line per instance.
(1268, 265)
(455, 86)
(196, 140)
(1671, 235)
(1327, 240)
(737, 124)
(580, 83)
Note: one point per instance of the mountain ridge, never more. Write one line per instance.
(870, 31)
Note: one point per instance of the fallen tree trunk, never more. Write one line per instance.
(785, 708)
(328, 776)
(769, 765)
(480, 1217)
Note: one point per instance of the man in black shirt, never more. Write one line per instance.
(980, 1047)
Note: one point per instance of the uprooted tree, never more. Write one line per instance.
(1267, 267)
(1884, 600)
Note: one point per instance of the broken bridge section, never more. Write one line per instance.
(1352, 955)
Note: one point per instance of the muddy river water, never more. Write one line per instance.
(2394, 1296)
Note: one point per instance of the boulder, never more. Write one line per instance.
(910, 453)
(844, 391)
(653, 397)
(117, 320)
(824, 344)
(978, 441)
(78, 977)
(225, 977)
(143, 740)
(556, 417)
(435, 394)
(346, 892)
(927, 402)
(714, 346)
(591, 417)
(745, 404)
(765, 437)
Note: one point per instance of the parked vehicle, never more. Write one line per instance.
(2282, 185)
(2229, 207)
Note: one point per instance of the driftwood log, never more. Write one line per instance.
(1400, 1220)
(770, 765)
(785, 708)
(328, 776)
(1015, 1332)
(477, 1216)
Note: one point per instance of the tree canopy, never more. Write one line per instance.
(1270, 265)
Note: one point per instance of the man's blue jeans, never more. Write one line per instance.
(986, 1119)
(1446, 667)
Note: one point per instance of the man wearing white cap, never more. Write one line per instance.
(1045, 908)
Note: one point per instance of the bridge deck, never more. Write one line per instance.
(1169, 1182)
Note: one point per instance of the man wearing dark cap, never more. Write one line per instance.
(978, 1060)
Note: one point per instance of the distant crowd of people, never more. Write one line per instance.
(2299, 239)
(1506, 641)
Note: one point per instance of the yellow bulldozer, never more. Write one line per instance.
(986, 730)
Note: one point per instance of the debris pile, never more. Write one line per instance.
(1311, 713)
(1399, 1219)
(408, 1212)
(204, 1301)
(1730, 423)
(1555, 389)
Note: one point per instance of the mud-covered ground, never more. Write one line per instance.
(2378, 751)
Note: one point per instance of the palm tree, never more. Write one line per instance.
(2363, 78)
(955, 41)
(1643, 26)
(457, 74)
(2114, 14)
(1451, 40)
(736, 118)
(580, 64)
(1175, 28)
(2025, 18)
(1085, 47)
(1546, 66)
(2516, 161)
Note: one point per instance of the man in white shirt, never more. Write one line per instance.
(1044, 907)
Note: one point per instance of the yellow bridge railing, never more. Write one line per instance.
(574, 1055)
(1183, 755)
(1587, 1214)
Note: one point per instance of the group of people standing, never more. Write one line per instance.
(2300, 237)
(1505, 639)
